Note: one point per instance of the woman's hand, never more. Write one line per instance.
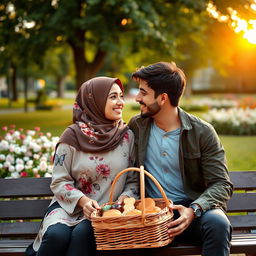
(88, 205)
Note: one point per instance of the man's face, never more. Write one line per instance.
(146, 98)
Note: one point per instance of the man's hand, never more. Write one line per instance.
(177, 226)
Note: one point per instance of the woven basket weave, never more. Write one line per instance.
(138, 231)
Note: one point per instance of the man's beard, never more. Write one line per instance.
(153, 109)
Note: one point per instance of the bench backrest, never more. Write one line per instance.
(242, 205)
(12, 208)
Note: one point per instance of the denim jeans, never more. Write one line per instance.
(212, 230)
(60, 239)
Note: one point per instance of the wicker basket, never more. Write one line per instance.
(138, 231)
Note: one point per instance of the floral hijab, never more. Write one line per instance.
(91, 131)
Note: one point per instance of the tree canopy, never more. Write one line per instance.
(110, 32)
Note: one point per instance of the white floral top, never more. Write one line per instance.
(76, 173)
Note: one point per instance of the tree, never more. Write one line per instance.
(94, 28)
(99, 30)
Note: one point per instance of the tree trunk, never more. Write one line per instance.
(14, 82)
(85, 70)
(60, 86)
(25, 79)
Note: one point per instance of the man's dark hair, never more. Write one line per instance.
(163, 77)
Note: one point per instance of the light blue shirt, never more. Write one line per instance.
(162, 161)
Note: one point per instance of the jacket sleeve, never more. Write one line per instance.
(213, 163)
(62, 184)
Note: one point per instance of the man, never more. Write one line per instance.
(185, 155)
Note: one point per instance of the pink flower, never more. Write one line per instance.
(86, 186)
(37, 128)
(69, 187)
(103, 169)
(76, 106)
(12, 126)
(126, 136)
(22, 136)
(5, 128)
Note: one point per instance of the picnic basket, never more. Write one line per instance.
(146, 230)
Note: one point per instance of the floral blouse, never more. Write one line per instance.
(76, 173)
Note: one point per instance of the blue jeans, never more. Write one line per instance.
(212, 230)
(60, 239)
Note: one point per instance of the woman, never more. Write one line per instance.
(88, 156)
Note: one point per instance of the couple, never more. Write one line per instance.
(182, 152)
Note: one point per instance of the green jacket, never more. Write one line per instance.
(202, 159)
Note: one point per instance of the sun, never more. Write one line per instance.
(247, 28)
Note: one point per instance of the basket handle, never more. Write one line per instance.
(142, 187)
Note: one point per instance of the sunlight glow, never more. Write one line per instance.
(246, 27)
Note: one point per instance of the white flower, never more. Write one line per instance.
(15, 175)
(43, 166)
(8, 137)
(2, 157)
(19, 167)
(9, 158)
(43, 158)
(35, 170)
(36, 156)
(47, 174)
(1, 166)
(17, 150)
(11, 168)
(26, 158)
(7, 164)
(4, 145)
(48, 134)
(31, 133)
(19, 161)
(30, 162)
(16, 135)
(11, 148)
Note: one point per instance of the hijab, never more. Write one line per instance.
(91, 131)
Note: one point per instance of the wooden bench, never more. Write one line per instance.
(17, 230)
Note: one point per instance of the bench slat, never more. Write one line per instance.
(242, 202)
(243, 179)
(25, 187)
(23, 209)
(18, 229)
(243, 222)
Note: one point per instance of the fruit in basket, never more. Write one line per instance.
(112, 213)
(149, 204)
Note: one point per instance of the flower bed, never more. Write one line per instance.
(26, 153)
(234, 121)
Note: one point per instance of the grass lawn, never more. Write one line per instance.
(240, 150)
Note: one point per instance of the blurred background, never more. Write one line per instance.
(48, 48)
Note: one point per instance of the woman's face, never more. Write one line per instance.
(115, 103)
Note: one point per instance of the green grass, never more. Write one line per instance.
(240, 150)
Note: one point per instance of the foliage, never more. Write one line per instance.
(26, 154)
(30, 28)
